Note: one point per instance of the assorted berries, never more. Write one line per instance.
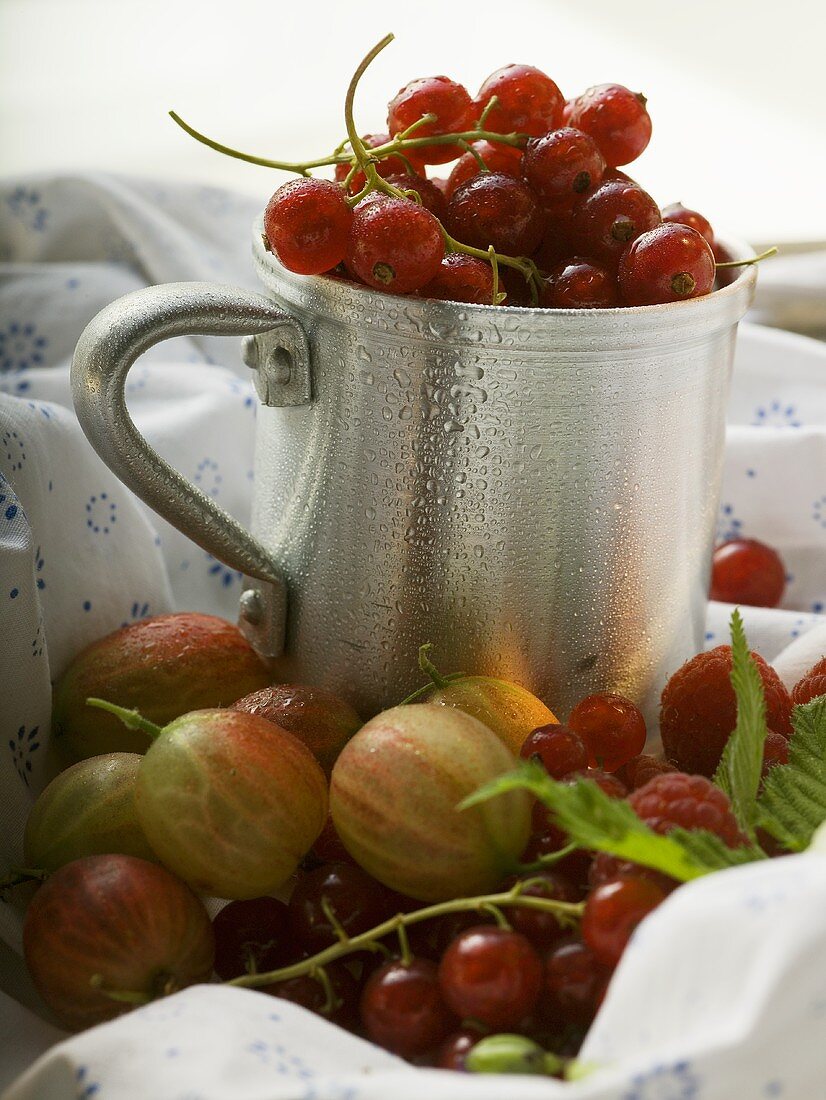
(535, 191)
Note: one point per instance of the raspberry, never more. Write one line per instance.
(775, 751)
(640, 769)
(699, 710)
(811, 685)
(687, 801)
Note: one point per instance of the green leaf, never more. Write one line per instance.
(596, 822)
(738, 773)
(793, 803)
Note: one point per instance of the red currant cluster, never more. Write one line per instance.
(535, 211)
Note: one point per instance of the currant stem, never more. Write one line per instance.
(331, 1001)
(366, 161)
(404, 945)
(514, 896)
(747, 263)
(548, 860)
(132, 719)
(284, 165)
(497, 914)
(486, 110)
(335, 923)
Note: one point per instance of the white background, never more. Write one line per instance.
(735, 86)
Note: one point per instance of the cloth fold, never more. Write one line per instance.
(81, 556)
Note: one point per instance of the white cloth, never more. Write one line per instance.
(80, 556)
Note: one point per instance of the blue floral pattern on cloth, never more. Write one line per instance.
(776, 414)
(26, 204)
(139, 610)
(86, 1088)
(15, 449)
(728, 525)
(22, 748)
(221, 572)
(101, 513)
(675, 1082)
(21, 348)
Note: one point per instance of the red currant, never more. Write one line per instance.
(389, 166)
(613, 911)
(328, 846)
(607, 783)
(543, 929)
(580, 283)
(496, 158)
(452, 1052)
(431, 197)
(437, 95)
(562, 165)
(251, 937)
(357, 901)
(529, 101)
(492, 975)
(402, 1007)
(307, 225)
(574, 983)
(612, 728)
(311, 993)
(637, 771)
(495, 209)
(608, 219)
(748, 572)
(395, 245)
(616, 119)
(676, 212)
(557, 748)
(670, 263)
(461, 278)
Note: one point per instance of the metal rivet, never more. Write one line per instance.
(280, 367)
(252, 608)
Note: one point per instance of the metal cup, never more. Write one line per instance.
(533, 491)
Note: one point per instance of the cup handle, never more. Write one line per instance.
(108, 347)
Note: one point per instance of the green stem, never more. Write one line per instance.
(404, 945)
(491, 103)
(367, 939)
(497, 914)
(19, 876)
(753, 260)
(331, 1001)
(132, 719)
(302, 168)
(548, 860)
(428, 668)
(366, 161)
(414, 695)
(335, 923)
(125, 996)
